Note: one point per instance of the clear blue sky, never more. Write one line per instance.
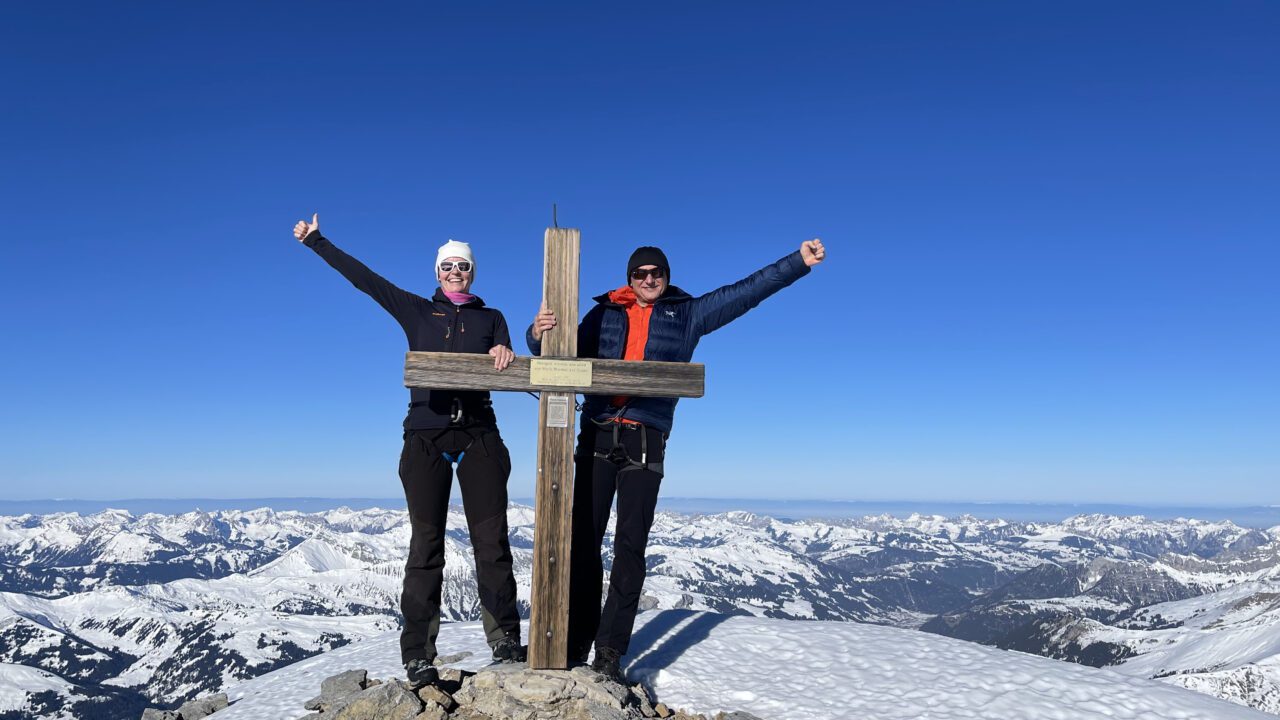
(1052, 234)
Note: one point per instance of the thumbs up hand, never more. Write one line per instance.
(304, 228)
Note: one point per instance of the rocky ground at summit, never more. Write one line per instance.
(508, 692)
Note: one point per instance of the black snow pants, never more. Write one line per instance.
(596, 480)
(427, 474)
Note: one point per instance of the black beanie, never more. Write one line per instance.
(647, 255)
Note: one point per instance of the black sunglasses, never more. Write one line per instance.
(657, 273)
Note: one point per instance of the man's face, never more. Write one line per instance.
(650, 284)
(455, 279)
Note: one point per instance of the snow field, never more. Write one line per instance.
(17, 682)
(793, 670)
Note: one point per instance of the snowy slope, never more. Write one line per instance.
(780, 669)
(1225, 643)
(172, 606)
(19, 681)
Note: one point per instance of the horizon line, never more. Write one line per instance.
(825, 501)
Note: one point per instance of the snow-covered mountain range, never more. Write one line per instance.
(104, 613)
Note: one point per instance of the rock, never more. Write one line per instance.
(522, 694)
(431, 694)
(387, 701)
(335, 690)
(456, 657)
(312, 716)
(347, 683)
(454, 675)
(433, 712)
(201, 707)
(662, 710)
(333, 705)
(735, 715)
(646, 705)
(158, 714)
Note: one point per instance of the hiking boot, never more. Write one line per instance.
(509, 650)
(421, 671)
(608, 664)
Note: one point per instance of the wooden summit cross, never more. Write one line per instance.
(559, 375)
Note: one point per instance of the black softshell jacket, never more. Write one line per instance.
(435, 325)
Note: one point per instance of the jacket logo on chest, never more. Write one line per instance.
(670, 313)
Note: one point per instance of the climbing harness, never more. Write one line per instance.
(617, 454)
(459, 421)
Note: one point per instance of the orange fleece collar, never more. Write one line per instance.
(624, 296)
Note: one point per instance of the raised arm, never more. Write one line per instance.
(724, 305)
(399, 303)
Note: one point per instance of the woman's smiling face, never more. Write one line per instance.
(454, 279)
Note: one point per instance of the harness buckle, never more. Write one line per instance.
(617, 455)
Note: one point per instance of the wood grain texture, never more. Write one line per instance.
(470, 371)
(553, 505)
(553, 499)
(560, 291)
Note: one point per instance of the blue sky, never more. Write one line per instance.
(1052, 236)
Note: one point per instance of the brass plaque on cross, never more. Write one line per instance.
(560, 373)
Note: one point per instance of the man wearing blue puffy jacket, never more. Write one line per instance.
(623, 439)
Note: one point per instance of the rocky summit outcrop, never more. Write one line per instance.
(505, 692)
(193, 710)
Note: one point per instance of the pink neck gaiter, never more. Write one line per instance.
(459, 298)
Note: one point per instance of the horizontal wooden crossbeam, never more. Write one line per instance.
(471, 371)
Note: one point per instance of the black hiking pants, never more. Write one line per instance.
(596, 481)
(427, 476)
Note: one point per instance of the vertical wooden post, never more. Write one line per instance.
(553, 504)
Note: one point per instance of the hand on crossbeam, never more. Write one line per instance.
(812, 252)
(304, 228)
(502, 356)
(543, 321)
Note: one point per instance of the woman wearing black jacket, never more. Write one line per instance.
(444, 427)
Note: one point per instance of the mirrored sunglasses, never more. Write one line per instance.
(462, 265)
